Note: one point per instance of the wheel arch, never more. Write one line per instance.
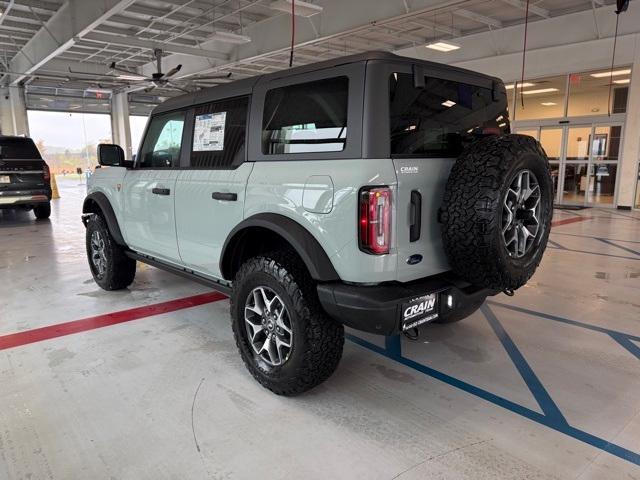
(272, 229)
(99, 204)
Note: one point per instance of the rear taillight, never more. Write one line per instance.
(46, 173)
(375, 220)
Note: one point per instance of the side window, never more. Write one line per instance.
(161, 146)
(219, 131)
(307, 117)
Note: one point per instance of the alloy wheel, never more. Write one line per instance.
(98, 253)
(268, 326)
(521, 214)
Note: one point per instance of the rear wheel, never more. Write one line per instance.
(110, 267)
(287, 342)
(42, 211)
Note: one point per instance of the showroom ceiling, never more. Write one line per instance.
(57, 49)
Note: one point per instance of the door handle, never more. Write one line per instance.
(416, 216)
(230, 197)
(161, 191)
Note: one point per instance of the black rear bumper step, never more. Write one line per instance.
(377, 308)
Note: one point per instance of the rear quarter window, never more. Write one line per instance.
(437, 120)
(306, 117)
(19, 149)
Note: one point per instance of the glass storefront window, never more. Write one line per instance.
(602, 183)
(575, 183)
(551, 141)
(543, 98)
(589, 92)
(638, 189)
(578, 143)
(606, 143)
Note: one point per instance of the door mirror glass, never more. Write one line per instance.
(110, 155)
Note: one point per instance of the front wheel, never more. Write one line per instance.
(287, 342)
(110, 266)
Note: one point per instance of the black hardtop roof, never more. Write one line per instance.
(245, 86)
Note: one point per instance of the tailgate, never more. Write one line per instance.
(421, 184)
(21, 175)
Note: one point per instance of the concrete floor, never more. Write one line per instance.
(542, 385)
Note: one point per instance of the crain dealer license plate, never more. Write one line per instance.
(419, 310)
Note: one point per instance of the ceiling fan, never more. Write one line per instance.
(163, 79)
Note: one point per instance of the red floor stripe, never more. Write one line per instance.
(99, 321)
(567, 221)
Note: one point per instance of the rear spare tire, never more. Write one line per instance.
(497, 211)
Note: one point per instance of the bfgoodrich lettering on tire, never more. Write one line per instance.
(286, 340)
(497, 211)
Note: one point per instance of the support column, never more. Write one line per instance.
(628, 171)
(120, 127)
(13, 112)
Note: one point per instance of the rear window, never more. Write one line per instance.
(437, 120)
(19, 149)
(307, 117)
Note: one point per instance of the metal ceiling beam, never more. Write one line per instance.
(539, 11)
(476, 17)
(337, 19)
(131, 41)
(75, 18)
(35, 4)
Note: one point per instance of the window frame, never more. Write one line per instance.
(188, 114)
(354, 72)
(186, 162)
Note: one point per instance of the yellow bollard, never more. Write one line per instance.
(55, 194)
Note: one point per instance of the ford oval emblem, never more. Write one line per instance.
(414, 259)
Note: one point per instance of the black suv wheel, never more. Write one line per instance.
(110, 267)
(287, 342)
(42, 211)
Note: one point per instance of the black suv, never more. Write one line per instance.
(25, 180)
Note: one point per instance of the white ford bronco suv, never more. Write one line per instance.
(373, 191)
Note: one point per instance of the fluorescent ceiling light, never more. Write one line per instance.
(540, 90)
(132, 76)
(449, 103)
(548, 104)
(230, 37)
(524, 85)
(443, 46)
(615, 73)
(302, 9)
(502, 125)
(97, 90)
(624, 81)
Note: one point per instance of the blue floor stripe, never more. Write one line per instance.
(627, 344)
(540, 393)
(568, 321)
(556, 244)
(537, 417)
(609, 242)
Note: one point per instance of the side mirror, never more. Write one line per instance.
(110, 155)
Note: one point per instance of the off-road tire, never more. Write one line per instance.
(317, 339)
(42, 211)
(120, 269)
(471, 214)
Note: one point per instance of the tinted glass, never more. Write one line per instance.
(437, 120)
(308, 117)
(18, 148)
(161, 147)
(219, 133)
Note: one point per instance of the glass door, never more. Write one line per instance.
(551, 140)
(575, 178)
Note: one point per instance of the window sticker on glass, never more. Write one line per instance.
(208, 133)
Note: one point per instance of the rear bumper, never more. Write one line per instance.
(15, 198)
(378, 309)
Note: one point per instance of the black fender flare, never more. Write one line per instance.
(306, 246)
(107, 213)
